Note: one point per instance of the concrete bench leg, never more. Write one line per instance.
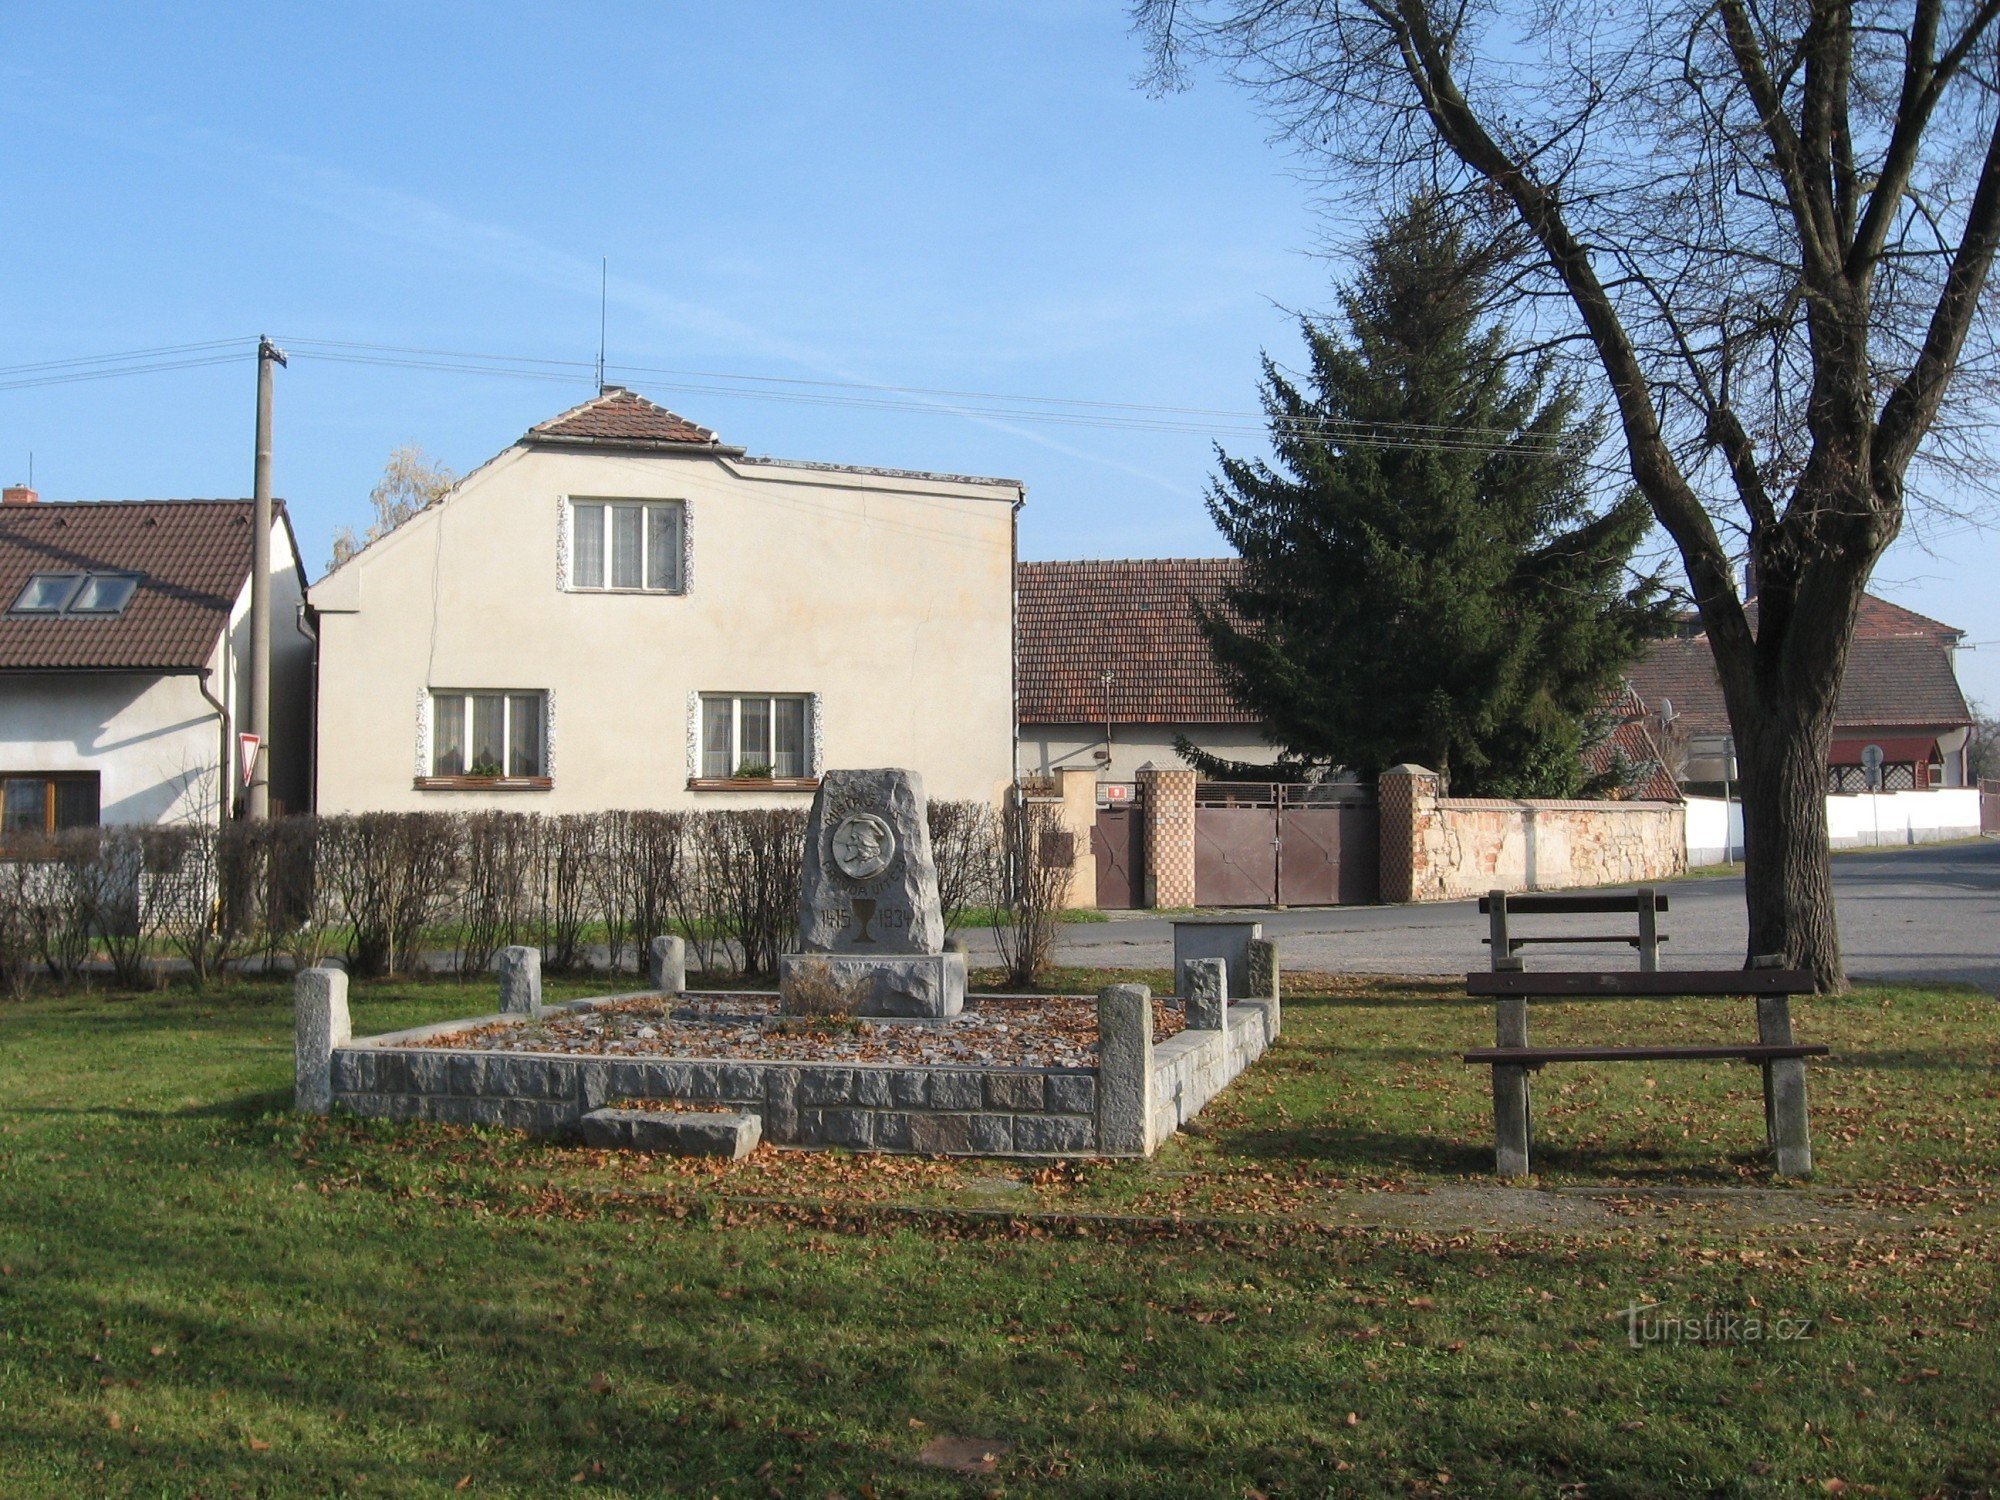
(1786, 1091)
(1510, 1121)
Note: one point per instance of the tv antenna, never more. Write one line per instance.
(603, 305)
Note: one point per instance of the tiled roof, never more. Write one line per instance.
(193, 557)
(1891, 679)
(1631, 738)
(625, 418)
(1133, 618)
(1880, 617)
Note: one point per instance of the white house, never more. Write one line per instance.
(125, 661)
(622, 611)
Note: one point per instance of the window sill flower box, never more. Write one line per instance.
(753, 783)
(484, 783)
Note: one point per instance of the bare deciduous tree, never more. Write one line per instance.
(411, 481)
(1770, 225)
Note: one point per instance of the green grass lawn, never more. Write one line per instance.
(1316, 1290)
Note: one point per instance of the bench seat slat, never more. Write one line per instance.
(1695, 983)
(1749, 1052)
(1547, 904)
(1579, 937)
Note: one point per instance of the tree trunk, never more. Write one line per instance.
(1787, 870)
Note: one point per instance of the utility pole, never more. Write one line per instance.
(257, 788)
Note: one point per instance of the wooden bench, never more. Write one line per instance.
(1645, 903)
(1781, 1058)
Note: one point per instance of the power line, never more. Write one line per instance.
(1126, 416)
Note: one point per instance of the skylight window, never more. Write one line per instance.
(76, 594)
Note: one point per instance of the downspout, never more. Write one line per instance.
(222, 722)
(1014, 628)
(301, 623)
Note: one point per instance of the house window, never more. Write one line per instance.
(36, 803)
(632, 546)
(76, 594)
(489, 734)
(755, 737)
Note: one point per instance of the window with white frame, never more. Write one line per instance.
(488, 733)
(628, 546)
(755, 735)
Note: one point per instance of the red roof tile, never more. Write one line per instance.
(193, 557)
(623, 417)
(1133, 618)
(1890, 680)
(1632, 738)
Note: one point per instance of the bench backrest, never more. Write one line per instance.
(1691, 982)
(1549, 903)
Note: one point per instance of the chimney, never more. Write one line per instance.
(18, 494)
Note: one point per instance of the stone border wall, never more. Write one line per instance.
(1027, 1112)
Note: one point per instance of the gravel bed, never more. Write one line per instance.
(1056, 1031)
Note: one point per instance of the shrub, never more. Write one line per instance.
(746, 883)
(391, 876)
(498, 860)
(1031, 875)
(962, 835)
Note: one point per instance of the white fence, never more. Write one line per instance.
(1853, 820)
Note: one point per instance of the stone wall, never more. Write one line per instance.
(1446, 848)
(1006, 1112)
(1192, 1067)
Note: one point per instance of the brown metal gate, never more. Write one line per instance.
(1989, 807)
(1118, 841)
(1273, 844)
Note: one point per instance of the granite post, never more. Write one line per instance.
(667, 965)
(1125, 1070)
(319, 1024)
(1205, 991)
(521, 981)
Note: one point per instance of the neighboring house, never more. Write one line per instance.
(1629, 747)
(1113, 667)
(125, 661)
(1900, 693)
(622, 611)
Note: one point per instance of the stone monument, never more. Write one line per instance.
(868, 899)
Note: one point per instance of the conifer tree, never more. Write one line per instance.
(1426, 574)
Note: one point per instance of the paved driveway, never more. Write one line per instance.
(1922, 913)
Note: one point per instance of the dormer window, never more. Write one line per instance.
(82, 595)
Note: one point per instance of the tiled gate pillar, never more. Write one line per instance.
(1168, 796)
(1406, 797)
(1078, 791)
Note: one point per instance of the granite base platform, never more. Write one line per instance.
(1136, 1096)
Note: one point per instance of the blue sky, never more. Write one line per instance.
(971, 197)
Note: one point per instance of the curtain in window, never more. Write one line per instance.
(448, 736)
(628, 555)
(717, 733)
(789, 756)
(587, 567)
(755, 746)
(663, 548)
(24, 806)
(76, 802)
(489, 745)
(524, 734)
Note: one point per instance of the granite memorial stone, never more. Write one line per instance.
(868, 898)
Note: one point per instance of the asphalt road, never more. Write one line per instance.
(1920, 913)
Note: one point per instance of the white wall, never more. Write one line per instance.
(1708, 819)
(889, 599)
(1048, 748)
(1858, 820)
(1867, 818)
(155, 741)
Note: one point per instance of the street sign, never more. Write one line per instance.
(1871, 765)
(248, 748)
(1117, 791)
